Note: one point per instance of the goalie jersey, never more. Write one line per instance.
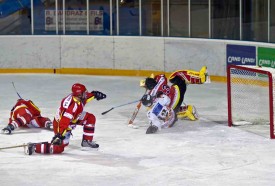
(170, 91)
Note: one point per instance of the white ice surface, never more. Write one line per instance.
(198, 153)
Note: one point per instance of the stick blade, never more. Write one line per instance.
(131, 121)
(106, 111)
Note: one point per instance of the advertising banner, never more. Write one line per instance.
(266, 57)
(75, 20)
(240, 55)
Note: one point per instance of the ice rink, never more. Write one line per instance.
(192, 153)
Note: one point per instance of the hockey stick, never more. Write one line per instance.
(15, 146)
(16, 90)
(131, 121)
(22, 145)
(119, 106)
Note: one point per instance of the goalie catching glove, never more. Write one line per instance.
(98, 95)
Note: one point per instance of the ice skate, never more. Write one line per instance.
(89, 145)
(151, 129)
(49, 125)
(8, 129)
(29, 148)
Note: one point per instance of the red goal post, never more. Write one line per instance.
(250, 91)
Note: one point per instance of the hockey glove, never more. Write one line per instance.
(57, 139)
(98, 95)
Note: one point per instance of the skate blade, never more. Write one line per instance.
(89, 149)
(5, 132)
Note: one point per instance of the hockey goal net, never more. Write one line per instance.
(251, 98)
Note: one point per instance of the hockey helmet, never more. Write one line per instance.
(150, 83)
(78, 89)
(147, 100)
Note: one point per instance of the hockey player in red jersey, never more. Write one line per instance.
(179, 79)
(70, 114)
(26, 114)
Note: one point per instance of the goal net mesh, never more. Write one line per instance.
(250, 97)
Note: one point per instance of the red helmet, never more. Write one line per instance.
(78, 89)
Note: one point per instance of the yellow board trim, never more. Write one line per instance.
(92, 71)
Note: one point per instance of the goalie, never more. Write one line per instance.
(26, 114)
(179, 79)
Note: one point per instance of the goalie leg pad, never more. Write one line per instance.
(191, 76)
(189, 112)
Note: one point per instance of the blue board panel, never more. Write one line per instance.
(240, 55)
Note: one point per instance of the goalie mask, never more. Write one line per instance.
(150, 83)
(147, 100)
